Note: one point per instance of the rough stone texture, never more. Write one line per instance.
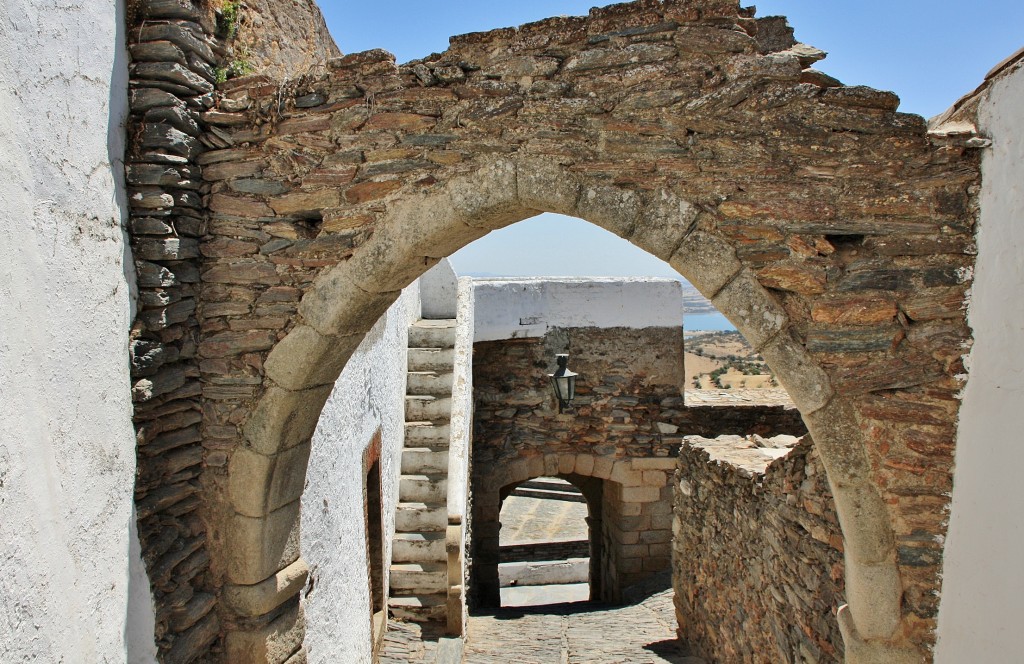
(757, 552)
(168, 221)
(612, 443)
(365, 174)
(579, 633)
(280, 37)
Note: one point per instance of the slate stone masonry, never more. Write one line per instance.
(623, 432)
(175, 53)
(757, 555)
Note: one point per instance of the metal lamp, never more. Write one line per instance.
(563, 382)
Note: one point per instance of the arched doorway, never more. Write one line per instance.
(547, 540)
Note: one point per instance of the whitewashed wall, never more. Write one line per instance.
(525, 308)
(462, 399)
(982, 602)
(369, 396)
(67, 449)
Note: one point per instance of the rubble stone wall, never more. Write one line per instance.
(179, 51)
(174, 54)
(540, 551)
(624, 428)
(757, 562)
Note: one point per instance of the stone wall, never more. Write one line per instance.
(624, 430)
(179, 51)
(757, 553)
(625, 374)
(541, 551)
(625, 377)
(175, 54)
(280, 37)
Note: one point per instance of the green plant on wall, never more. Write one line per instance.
(239, 66)
(228, 17)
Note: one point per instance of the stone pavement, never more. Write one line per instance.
(571, 633)
(410, 642)
(525, 519)
(581, 633)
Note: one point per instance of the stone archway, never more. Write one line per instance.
(418, 230)
(487, 522)
(828, 227)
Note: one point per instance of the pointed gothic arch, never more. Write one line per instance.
(827, 226)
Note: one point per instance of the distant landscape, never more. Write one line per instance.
(723, 360)
(695, 304)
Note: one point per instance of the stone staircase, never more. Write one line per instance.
(419, 577)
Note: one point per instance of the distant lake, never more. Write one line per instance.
(707, 322)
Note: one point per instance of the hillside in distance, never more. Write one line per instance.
(694, 303)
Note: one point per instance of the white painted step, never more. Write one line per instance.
(431, 489)
(419, 578)
(431, 359)
(427, 434)
(424, 461)
(419, 608)
(423, 407)
(435, 383)
(432, 334)
(421, 517)
(425, 547)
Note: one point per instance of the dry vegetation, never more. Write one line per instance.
(724, 360)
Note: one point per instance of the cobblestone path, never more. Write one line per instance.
(578, 633)
(409, 642)
(582, 633)
(533, 519)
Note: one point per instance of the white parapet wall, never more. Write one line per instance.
(67, 445)
(462, 402)
(982, 603)
(438, 291)
(368, 398)
(524, 308)
(461, 426)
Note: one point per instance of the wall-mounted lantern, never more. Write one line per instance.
(563, 382)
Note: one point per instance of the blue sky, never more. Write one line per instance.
(930, 52)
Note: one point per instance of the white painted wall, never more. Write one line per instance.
(439, 291)
(462, 401)
(369, 395)
(67, 449)
(520, 308)
(460, 442)
(983, 586)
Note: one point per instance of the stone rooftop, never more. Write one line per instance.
(775, 396)
(752, 454)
